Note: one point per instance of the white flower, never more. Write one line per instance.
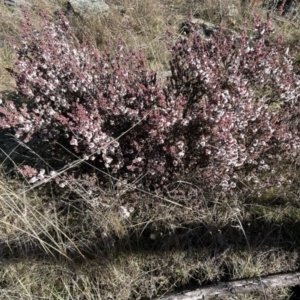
(27, 127)
(62, 185)
(53, 173)
(181, 154)
(74, 142)
(107, 159)
(268, 70)
(124, 212)
(185, 122)
(51, 112)
(33, 179)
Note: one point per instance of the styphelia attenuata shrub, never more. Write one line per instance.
(229, 110)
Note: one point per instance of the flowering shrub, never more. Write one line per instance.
(90, 100)
(242, 103)
(229, 108)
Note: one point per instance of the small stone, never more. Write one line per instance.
(16, 3)
(82, 7)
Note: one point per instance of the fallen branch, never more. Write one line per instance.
(237, 287)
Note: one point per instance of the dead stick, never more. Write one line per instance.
(237, 287)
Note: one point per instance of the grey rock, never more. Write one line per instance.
(206, 29)
(16, 3)
(12, 2)
(83, 7)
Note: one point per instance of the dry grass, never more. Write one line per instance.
(65, 244)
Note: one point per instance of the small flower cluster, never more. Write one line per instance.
(35, 176)
(230, 105)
